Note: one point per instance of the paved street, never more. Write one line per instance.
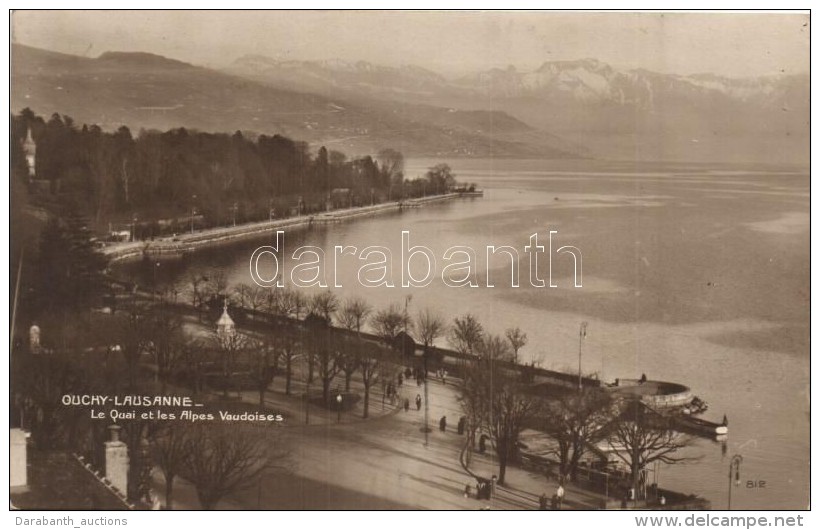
(379, 463)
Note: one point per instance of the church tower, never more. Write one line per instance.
(30, 149)
(225, 327)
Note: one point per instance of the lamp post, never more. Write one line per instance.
(193, 212)
(156, 266)
(734, 469)
(134, 228)
(339, 407)
(581, 334)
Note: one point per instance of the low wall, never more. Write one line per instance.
(188, 242)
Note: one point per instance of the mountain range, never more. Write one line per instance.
(563, 109)
(612, 113)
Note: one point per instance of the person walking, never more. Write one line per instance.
(406, 404)
(559, 494)
(418, 402)
(442, 424)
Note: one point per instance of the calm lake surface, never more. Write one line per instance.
(691, 273)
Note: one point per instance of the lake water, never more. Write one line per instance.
(691, 273)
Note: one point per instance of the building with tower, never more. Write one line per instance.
(30, 149)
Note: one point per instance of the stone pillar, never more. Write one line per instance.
(18, 459)
(116, 460)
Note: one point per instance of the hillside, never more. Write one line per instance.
(621, 114)
(148, 91)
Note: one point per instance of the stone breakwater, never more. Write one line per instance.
(182, 243)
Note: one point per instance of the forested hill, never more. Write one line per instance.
(142, 90)
(112, 176)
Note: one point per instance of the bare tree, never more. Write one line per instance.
(429, 327)
(249, 296)
(495, 397)
(348, 359)
(231, 348)
(171, 448)
(222, 460)
(325, 304)
(265, 362)
(354, 313)
(216, 287)
(641, 437)
(518, 339)
(299, 303)
(132, 339)
(324, 357)
(466, 334)
(166, 341)
(370, 363)
(495, 348)
(387, 323)
(197, 291)
(288, 345)
(576, 421)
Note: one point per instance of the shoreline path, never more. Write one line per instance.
(379, 463)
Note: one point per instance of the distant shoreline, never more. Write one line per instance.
(183, 243)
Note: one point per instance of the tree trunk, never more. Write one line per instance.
(287, 375)
(169, 491)
(502, 467)
(366, 399)
(326, 389)
(348, 377)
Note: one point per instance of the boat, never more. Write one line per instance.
(700, 426)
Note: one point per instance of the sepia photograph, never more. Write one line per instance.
(409, 260)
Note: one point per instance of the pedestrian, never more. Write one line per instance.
(542, 501)
(662, 500)
(482, 444)
(559, 493)
(443, 377)
(442, 424)
(406, 404)
(399, 379)
(467, 491)
(418, 402)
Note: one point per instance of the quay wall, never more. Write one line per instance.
(187, 242)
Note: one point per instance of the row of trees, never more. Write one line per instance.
(117, 175)
(499, 400)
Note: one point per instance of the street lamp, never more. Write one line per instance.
(581, 334)
(155, 279)
(193, 212)
(339, 407)
(734, 469)
(134, 228)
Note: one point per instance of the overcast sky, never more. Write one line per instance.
(730, 44)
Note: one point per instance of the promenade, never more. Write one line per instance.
(378, 463)
(188, 241)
